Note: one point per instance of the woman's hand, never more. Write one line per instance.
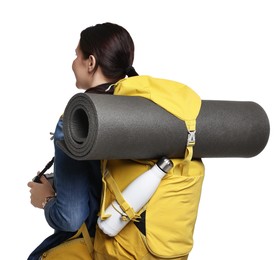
(40, 191)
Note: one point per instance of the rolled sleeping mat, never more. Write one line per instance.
(99, 126)
(230, 129)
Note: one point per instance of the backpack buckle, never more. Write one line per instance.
(191, 138)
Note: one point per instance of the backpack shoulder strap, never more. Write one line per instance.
(84, 231)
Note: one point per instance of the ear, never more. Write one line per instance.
(91, 63)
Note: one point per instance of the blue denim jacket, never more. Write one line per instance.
(78, 187)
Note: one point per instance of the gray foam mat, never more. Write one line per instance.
(98, 126)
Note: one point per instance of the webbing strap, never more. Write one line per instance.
(84, 231)
(189, 153)
(104, 216)
(129, 211)
(191, 128)
(87, 238)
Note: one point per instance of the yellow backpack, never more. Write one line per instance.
(166, 225)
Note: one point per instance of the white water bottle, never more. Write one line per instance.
(137, 194)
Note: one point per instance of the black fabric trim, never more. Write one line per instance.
(141, 224)
(102, 89)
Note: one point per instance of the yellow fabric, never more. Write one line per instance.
(164, 93)
(170, 214)
(126, 245)
(120, 247)
(75, 248)
(172, 211)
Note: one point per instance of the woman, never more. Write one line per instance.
(104, 55)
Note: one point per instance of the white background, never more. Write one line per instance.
(225, 50)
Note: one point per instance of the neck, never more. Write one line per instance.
(98, 78)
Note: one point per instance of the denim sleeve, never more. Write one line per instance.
(72, 180)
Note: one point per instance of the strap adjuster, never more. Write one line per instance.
(191, 138)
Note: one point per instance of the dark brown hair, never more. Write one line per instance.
(112, 47)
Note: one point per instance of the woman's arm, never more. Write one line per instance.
(70, 208)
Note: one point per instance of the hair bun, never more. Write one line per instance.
(130, 71)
